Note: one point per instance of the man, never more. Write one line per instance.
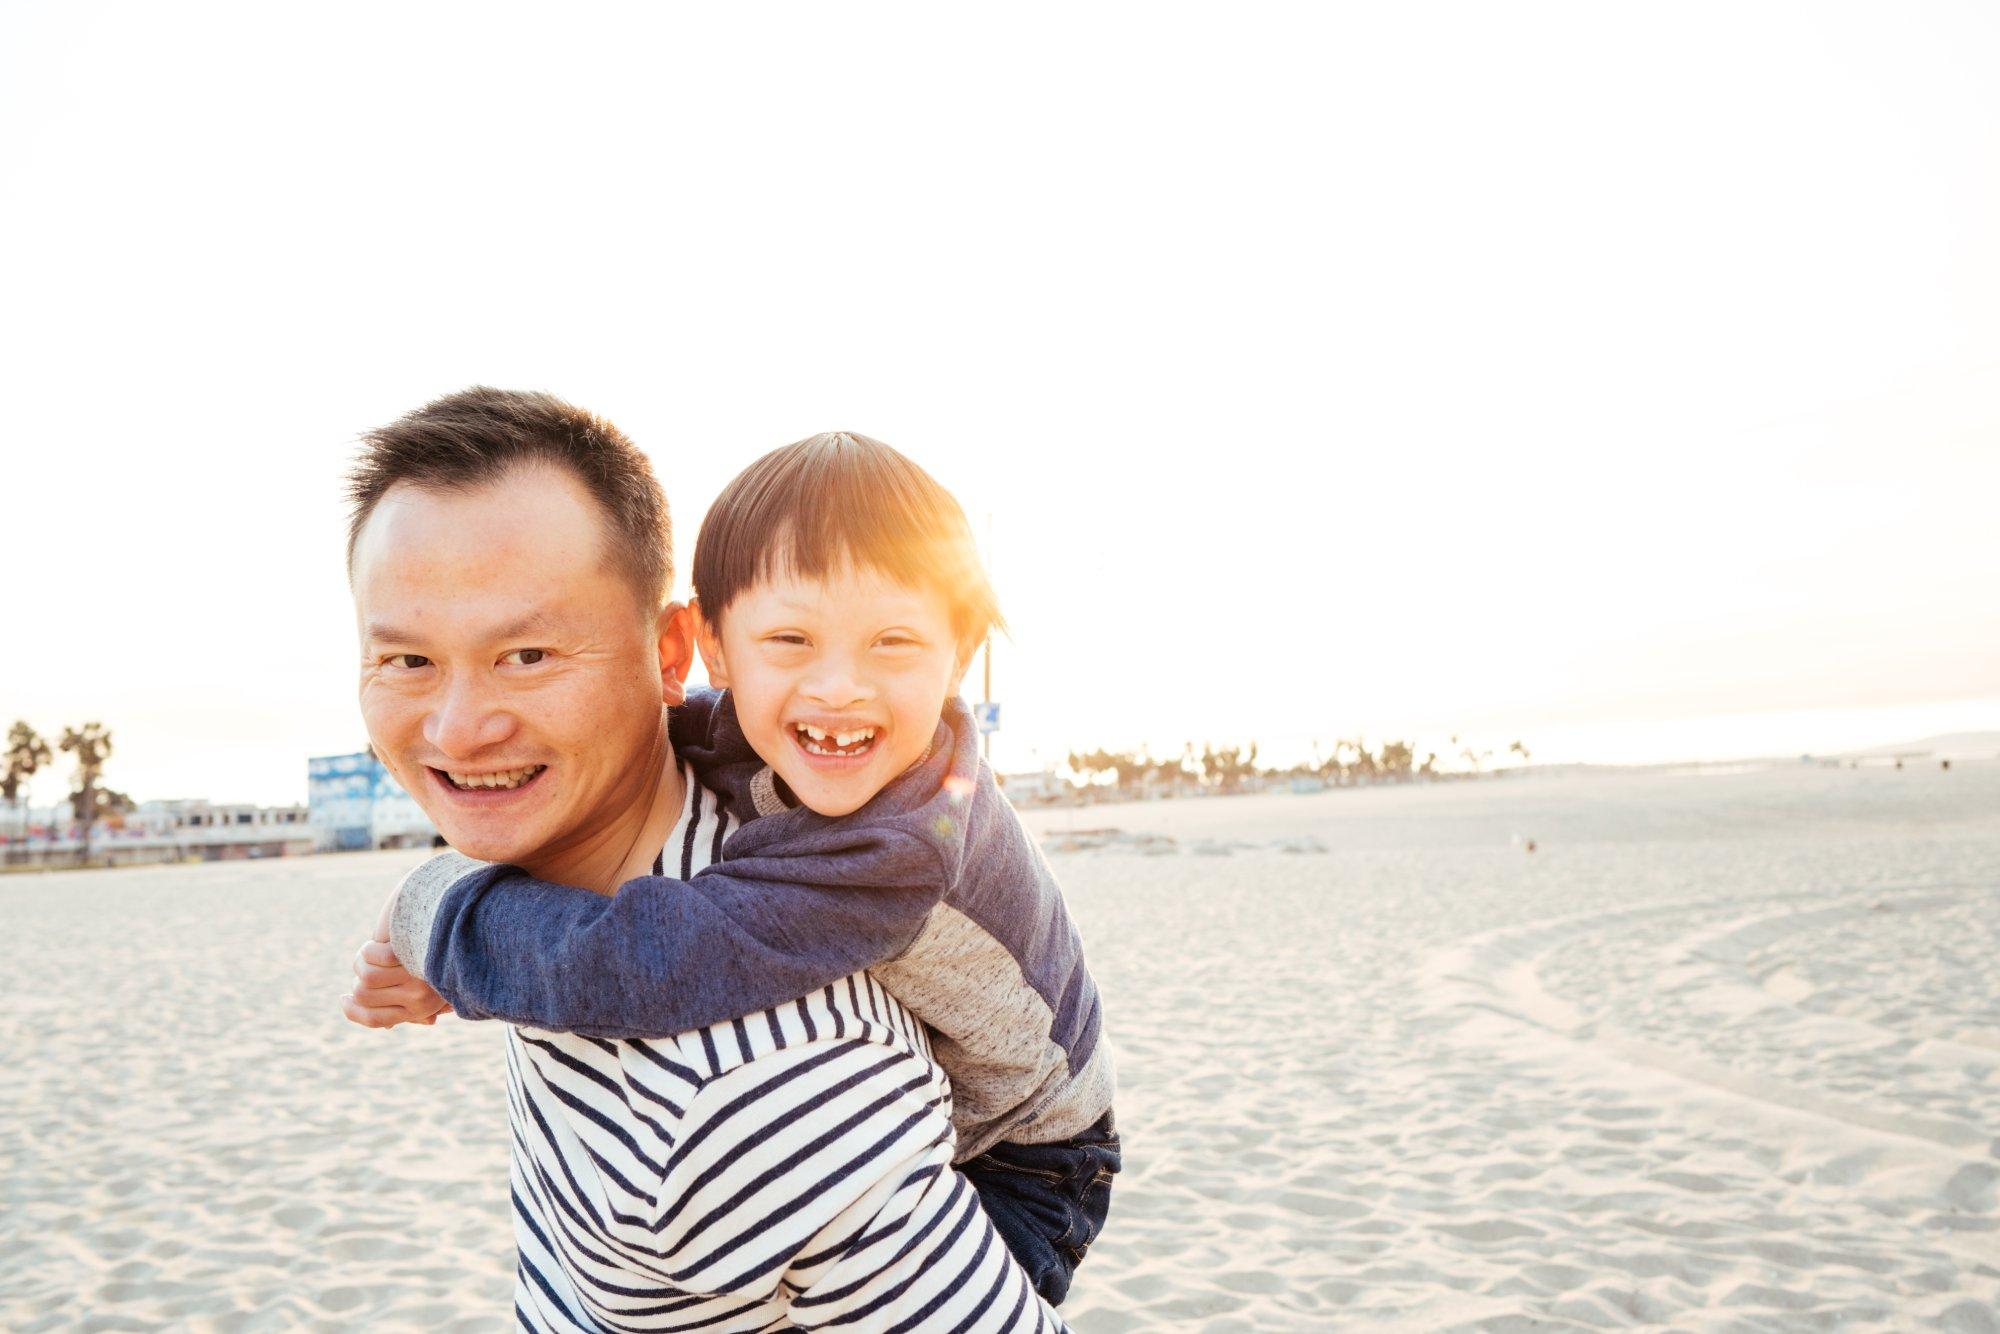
(510, 561)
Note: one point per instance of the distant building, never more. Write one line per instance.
(356, 804)
(226, 833)
(158, 831)
(1033, 789)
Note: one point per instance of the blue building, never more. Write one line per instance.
(355, 804)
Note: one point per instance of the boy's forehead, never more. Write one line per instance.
(849, 585)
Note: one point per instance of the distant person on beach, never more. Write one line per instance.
(786, 1154)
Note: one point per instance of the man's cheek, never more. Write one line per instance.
(576, 715)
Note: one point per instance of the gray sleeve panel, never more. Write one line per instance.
(416, 907)
(1075, 1108)
(764, 798)
(994, 1035)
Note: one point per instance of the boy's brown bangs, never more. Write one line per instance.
(817, 507)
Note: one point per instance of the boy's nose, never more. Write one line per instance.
(836, 687)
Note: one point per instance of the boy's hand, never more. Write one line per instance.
(385, 993)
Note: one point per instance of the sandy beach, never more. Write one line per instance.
(1720, 1054)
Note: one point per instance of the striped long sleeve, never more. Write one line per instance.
(791, 1170)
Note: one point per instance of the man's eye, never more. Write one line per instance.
(409, 662)
(525, 657)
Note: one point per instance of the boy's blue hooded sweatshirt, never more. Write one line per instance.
(934, 887)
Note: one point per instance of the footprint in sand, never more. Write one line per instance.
(1251, 1282)
(1973, 1188)
(1321, 1206)
(1690, 1181)
(1969, 1318)
(1491, 1229)
(1556, 1278)
(299, 1217)
(344, 1298)
(365, 1248)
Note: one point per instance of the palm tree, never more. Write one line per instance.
(1367, 765)
(1518, 748)
(114, 805)
(1398, 757)
(92, 744)
(1225, 770)
(26, 753)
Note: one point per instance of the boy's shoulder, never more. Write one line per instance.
(705, 734)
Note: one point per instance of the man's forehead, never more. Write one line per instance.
(523, 498)
(499, 555)
(532, 536)
(539, 521)
(481, 623)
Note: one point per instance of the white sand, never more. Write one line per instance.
(1720, 1054)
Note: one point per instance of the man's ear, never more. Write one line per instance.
(676, 642)
(709, 636)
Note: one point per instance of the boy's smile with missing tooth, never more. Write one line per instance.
(838, 682)
(819, 742)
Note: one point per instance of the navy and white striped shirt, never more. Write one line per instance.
(790, 1169)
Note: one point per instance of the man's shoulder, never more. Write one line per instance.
(856, 1010)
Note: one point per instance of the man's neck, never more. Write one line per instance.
(626, 847)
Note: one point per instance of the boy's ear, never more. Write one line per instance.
(709, 636)
(676, 632)
(966, 653)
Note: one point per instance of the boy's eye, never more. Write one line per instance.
(524, 657)
(408, 662)
(788, 637)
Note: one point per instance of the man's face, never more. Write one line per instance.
(508, 678)
(839, 682)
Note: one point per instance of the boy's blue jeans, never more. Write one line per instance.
(1048, 1201)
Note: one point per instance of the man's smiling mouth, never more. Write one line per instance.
(847, 744)
(503, 779)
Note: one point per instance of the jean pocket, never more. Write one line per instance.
(1089, 1207)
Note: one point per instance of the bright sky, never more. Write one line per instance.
(1621, 378)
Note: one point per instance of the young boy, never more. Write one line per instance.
(839, 600)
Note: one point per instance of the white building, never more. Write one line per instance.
(1033, 789)
(158, 831)
(355, 804)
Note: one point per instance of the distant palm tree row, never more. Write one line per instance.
(28, 754)
(1350, 763)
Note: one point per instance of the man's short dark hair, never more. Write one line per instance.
(470, 438)
(834, 499)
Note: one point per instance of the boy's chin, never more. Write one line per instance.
(831, 799)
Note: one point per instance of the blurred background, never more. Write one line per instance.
(1616, 381)
(1345, 394)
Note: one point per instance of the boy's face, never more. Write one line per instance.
(839, 682)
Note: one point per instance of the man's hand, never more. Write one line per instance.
(386, 994)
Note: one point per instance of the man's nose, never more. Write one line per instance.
(467, 720)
